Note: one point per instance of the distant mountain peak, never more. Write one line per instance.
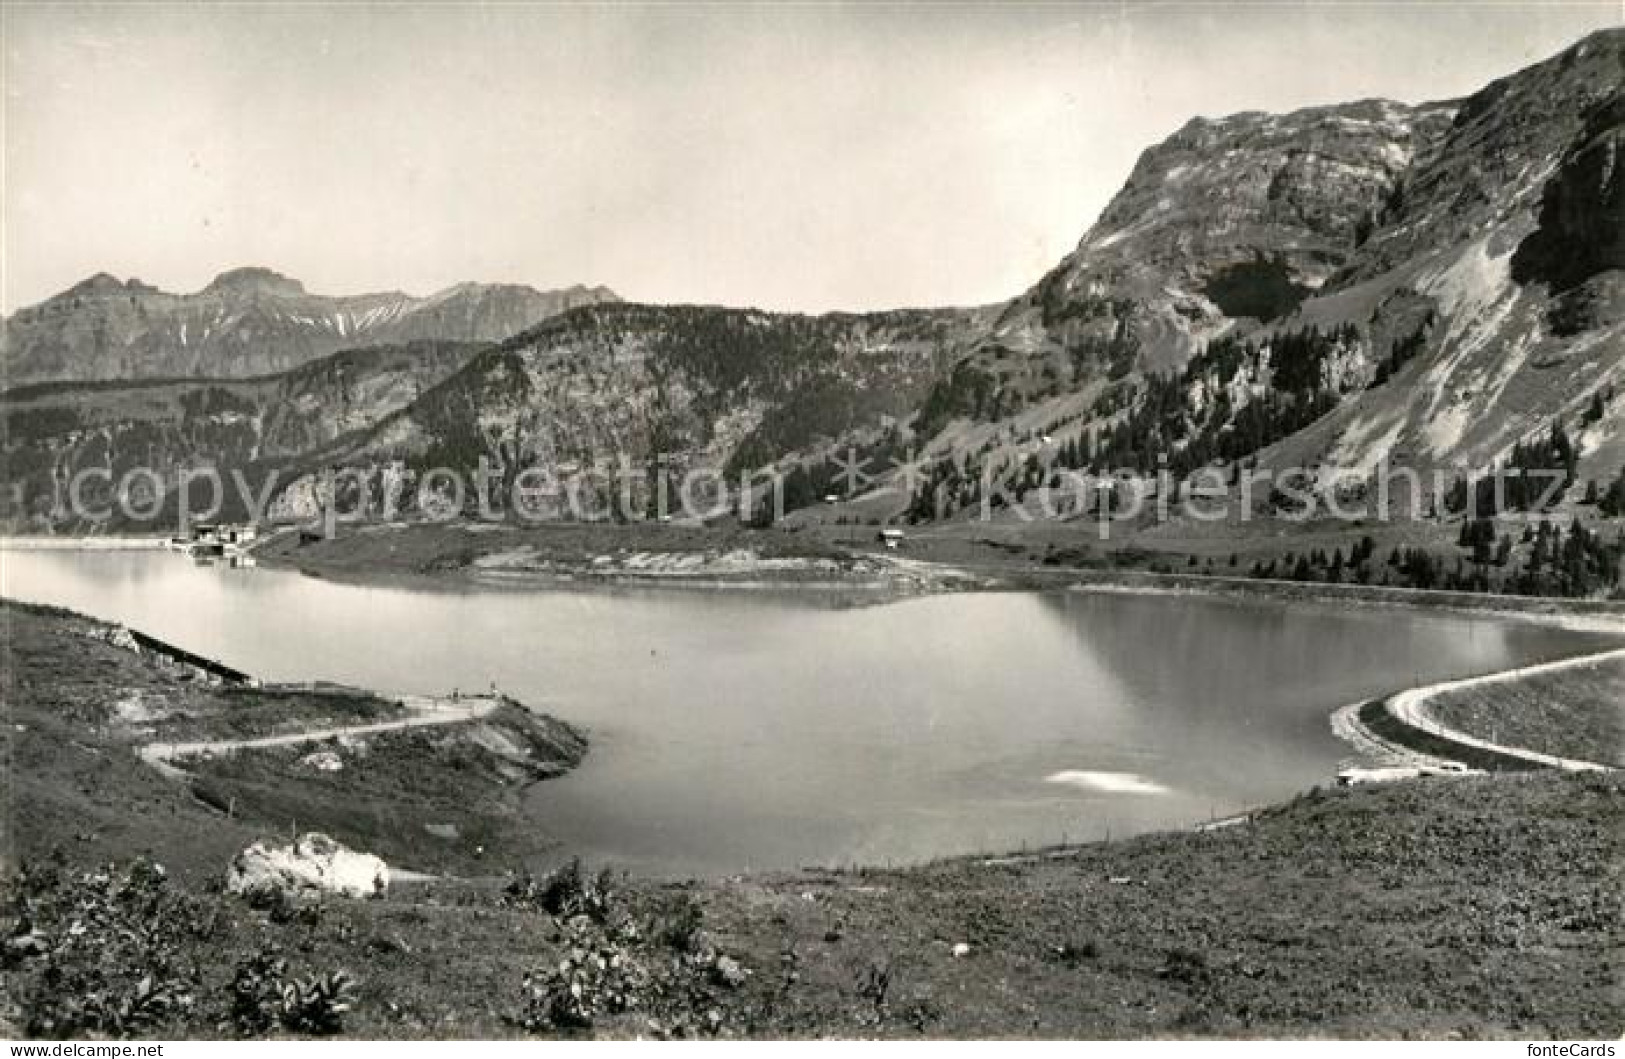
(103, 283)
(599, 292)
(250, 321)
(473, 287)
(100, 283)
(255, 280)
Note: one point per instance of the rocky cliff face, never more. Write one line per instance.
(1300, 188)
(1511, 230)
(249, 321)
(1581, 232)
(1225, 227)
(1498, 154)
(1233, 218)
(1466, 254)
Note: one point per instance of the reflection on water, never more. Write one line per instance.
(1110, 782)
(745, 729)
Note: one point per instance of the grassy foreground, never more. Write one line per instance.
(1475, 907)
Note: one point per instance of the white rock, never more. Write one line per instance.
(313, 862)
(323, 761)
(730, 972)
(961, 950)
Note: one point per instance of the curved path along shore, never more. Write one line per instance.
(1410, 708)
(425, 711)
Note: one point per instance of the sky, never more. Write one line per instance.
(808, 157)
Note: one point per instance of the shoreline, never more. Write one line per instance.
(48, 543)
(928, 578)
(473, 555)
(371, 768)
(871, 577)
(1602, 616)
(1416, 737)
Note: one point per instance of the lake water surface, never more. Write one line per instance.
(744, 729)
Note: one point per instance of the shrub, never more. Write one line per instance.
(1072, 953)
(678, 927)
(1184, 965)
(256, 993)
(566, 892)
(317, 1004)
(874, 985)
(263, 998)
(593, 979)
(97, 952)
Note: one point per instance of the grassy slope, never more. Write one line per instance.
(430, 799)
(1476, 907)
(250, 713)
(76, 783)
(1481, 908)
(1578, 713)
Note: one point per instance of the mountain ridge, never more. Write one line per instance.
(253, 426)
(248, 321)
(1333, 287)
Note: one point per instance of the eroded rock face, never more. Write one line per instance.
(1398, 221)
(1302, 188)
(1235, 218)
(1503, 145)
(1582, 211)
(313, 863)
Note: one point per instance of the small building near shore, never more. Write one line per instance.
(223, 533)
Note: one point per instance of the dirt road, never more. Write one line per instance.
(1411, 707)
(425, 711)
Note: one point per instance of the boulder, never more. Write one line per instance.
(729, 972)
(313, 862)
(323, 761)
